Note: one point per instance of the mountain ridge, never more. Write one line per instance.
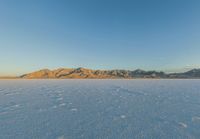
(84, 73)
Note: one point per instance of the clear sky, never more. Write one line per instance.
(99, 34)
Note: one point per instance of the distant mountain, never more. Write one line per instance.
(82, 73)
(64, 73)
(194, 73)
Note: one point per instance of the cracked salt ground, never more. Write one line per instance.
(87, 109)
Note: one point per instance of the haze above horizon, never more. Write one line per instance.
(104, 34)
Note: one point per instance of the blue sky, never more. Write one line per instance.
(99, 34)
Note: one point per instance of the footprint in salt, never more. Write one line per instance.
(41, 110)
(195, 119)
(54, 107)
(123, 116)
(11, 94)
(60, 94)
(17, 105)
(12, 107)
(61, 137)
(4, 112)
(59, 99)
(74, 109)
(183, 125)
(62, 104)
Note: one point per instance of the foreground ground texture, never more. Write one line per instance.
(99, 109)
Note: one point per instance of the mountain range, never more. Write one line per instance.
(83, 73)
